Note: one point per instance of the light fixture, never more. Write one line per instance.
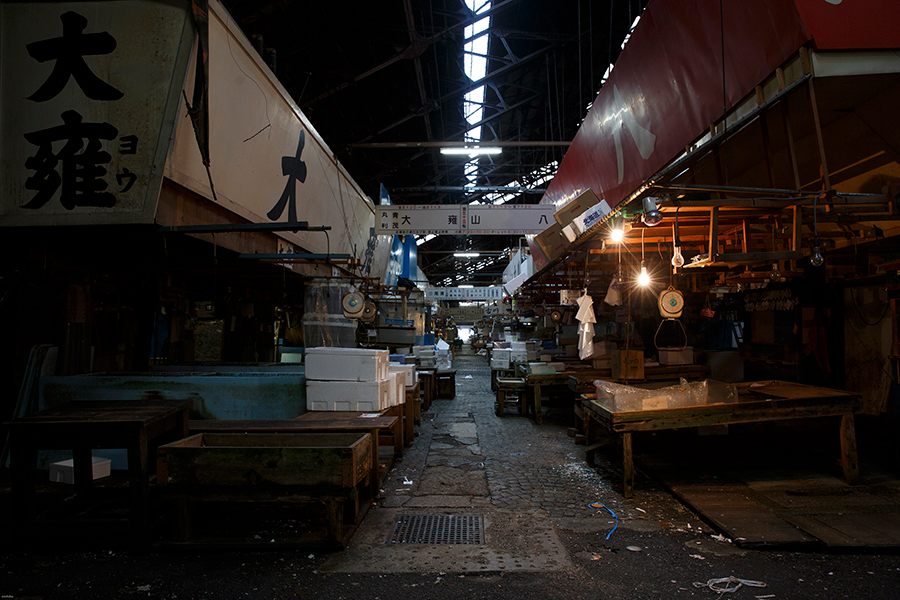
(652, 216)
(466, 254)
(618, 231)
(644, 277)
(816, 258)
(472, 150)
(465, 285)
(677, 258)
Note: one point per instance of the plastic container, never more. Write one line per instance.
(331, 330)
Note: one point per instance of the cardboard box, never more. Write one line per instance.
(676, 356)
(365, 396)
(603, 348)
(575, 207)
(346, 364)
(552, 241)
(628, 365)
(64, 470)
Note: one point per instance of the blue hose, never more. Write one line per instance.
(598, 506)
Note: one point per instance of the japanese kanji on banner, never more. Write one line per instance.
(479, 219)
(86, 117)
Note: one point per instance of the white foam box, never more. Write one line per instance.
(676, 356)
(427, 363)
(410, 370)
(501, 354)
(64, 470)
(497, 363)
(540, 368)
(516, 356)
(364, 396)
(346, 364)
(398, 388)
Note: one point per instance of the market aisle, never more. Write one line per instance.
(520, 478)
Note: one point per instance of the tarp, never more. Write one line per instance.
(687, 63)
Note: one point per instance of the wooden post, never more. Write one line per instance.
(849, 460)
(627, 466)
(713, 233)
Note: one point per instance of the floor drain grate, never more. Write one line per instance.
(437, 529)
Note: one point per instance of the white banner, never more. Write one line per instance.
(443, 219)
(460, 293)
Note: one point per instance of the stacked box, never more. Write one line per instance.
(398, 388)
(412, 377)
(541, 368)
(628, 365)
(346, 364)
(496, 363)
(397, 358)
(348, 379)
(365, 396)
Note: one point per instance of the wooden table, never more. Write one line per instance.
(428, 381)
(134, 425)
(758, 401)
(318, 422)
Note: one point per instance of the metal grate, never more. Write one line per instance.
(437, 529)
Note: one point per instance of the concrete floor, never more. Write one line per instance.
(532, 489)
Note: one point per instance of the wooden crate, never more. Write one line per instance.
(324, 471)
(239, 459)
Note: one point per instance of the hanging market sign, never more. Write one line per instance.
(443, 219)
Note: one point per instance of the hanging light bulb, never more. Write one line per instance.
(677, 258)
(618, 231)
(644, 277)
(816, 258)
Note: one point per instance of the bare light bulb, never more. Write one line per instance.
(816, 258)
(617, 235)
(644, 277)
(677, 258)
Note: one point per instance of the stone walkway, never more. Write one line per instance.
(524, 479)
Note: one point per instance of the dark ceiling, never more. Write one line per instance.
(388, 72)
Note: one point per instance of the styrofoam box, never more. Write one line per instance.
(426, 362)
(365, 396)
(501, 353)
(497, 363)
(346, 364)
(398, 388)
(412, 377)
(676, 356)
(64, 470)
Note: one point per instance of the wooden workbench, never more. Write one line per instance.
(757, 402)
(319, 422)
(81, 426)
